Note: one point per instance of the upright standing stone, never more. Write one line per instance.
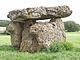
(16, 33)
(26, 36)
(59, 29)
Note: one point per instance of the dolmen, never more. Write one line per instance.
(27, 35)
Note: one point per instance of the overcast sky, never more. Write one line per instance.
(8, 5)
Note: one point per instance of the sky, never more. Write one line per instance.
(9, 5)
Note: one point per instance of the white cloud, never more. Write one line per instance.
(8, 5)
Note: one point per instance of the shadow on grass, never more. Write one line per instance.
(7, 48)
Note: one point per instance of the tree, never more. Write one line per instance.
(71, 26)
(4, 23)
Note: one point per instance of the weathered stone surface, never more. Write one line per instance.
(16, 33)
(41, 35)
(59, 29)
(40, 13)
(36, 37)
(27, 38)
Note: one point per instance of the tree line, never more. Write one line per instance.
(70, 26)
(4, 23)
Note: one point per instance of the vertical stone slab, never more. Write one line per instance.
(59, 29)
(16, 33)
(27, 38)
(36, 36)
(44, 34)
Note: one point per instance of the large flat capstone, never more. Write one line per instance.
(40, 13)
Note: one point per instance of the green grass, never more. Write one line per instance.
(74, 37)
(9, 53)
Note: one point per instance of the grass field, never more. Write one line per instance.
(9, 53)
(74, 37)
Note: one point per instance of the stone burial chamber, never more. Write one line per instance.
(31, 36)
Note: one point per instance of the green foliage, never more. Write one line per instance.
(61, 46)
(4, 23)
(57, 47)
(71, 26)
(68, 45)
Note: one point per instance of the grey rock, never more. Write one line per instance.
(41, 35)
(40, 13)
(59, 29)
(15, 29)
